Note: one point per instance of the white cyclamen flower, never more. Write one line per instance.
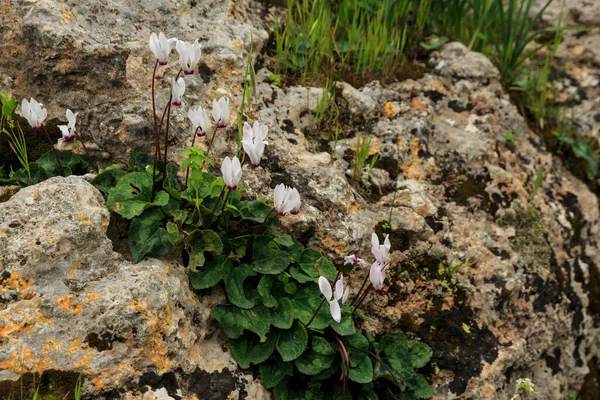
(377, 275)
(220, 111)
(189, 55)
(161, 47)
(199, 120)
(286, 199)
(381, 252)
(34, 113)
(178, 91)
(333, 298)
(352, 259)
(254, 142)
(71, 118)
(232, 172)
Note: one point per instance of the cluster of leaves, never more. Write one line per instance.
(270, 282)
(46, 167)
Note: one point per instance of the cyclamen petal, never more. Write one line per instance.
(34, 113)
(286, 199)
(325, 287)
(199, 120)
(253, 142)
(161, 47)
(220, 111)
(377, 275)
(332, 298)
(380, 252)
(189, 55)
(232, 172)
(178, 89)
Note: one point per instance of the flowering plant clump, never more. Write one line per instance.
(274, 317)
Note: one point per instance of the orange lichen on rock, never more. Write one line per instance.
(413, 169)
(84, 218)
(158, 323)
(17, 282)
(338, 246)
(15, 321)
(66, 303)
(80, 355)
(94, 297)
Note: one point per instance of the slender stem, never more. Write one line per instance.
(216, 205)
(85, 149)
(225, 201)
(375, 356)
(187, 172)
(268, 215)
(156, 132)
(52, 146)
(166, 143)
(168, 104)
(360, 291)
(345, 353)
(362, 299)
(212, 139)
(315, 314)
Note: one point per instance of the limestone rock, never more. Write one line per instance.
(69, 303)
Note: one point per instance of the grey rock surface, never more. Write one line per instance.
(71, 304)
(93, 57)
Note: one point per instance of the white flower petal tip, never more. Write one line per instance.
(333, 297)
(199, 120)
(286, 200)
(178, 89)
(380, 252)
(34, 113)
(232, 172)
(220, 111)
(161, 47)
(254, 143)
(377, 275)
(189, 55)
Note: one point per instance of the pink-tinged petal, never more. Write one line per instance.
(349, 259)
(374, 241)
(377, 275)
(325, 288)
(336, 312)
(386, 242)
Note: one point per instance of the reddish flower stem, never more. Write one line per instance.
(315, 313)
(216, 205)
(359, 303)
(85, 149)
(360, 291)
(156, 132)
(166, 142)
(225, 201)
(52, 146)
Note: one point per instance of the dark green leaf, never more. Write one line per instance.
(273, 371)
(291, 343)
(300, 276)
(71, 162)
(201, 241)
(248, 350)
(422, 389)
(306, 301)
(213, 272)
(420, 353)
(108, 179)
(175, 236)
(236, 289)
(254, 210)
(363, 372)
(284, 239)
(264, 290)
(179, 215)
(317, 358)
(234, 320)
(357, 347)
(268, 259)
(147, 235)
(132, 195)
(314, 264)
(290, 288)
(345, 327)
(283, 316)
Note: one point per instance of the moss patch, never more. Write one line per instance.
(529, 241)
